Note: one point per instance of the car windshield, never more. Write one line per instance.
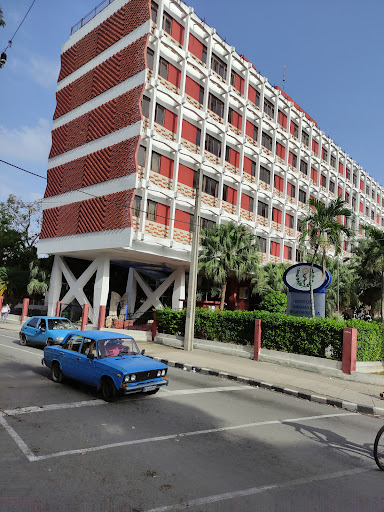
(117, 347)
(59, 323)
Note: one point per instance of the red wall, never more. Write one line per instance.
(231, 195)
(186, 175)
(162, 214)
(174, 75)
(192, 88)
(282, 120)
(177, 32)
(182, 220)
(280, 150)
(195, 47)
(189, 131)
(170, 120)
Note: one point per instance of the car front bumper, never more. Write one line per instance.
(141, 387)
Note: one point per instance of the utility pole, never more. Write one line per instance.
(192, 284)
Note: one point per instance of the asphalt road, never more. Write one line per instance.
(202, 444)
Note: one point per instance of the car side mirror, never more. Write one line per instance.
(91, 356)
(143, 352)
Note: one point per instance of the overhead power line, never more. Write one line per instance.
(16, 31)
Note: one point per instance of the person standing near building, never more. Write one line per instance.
(4, 312)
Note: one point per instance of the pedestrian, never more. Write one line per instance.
(4, 312)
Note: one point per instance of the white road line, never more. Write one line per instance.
(51, 407)
(205, 390)
(183, 434)
(15, 436)
(257, 490)
(22, 350)
(86, 403)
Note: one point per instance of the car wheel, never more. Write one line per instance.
(56, 373)
(49, 342)
(154, 391)
(108, 390)
(23, 339)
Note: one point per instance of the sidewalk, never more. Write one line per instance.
(347, 394)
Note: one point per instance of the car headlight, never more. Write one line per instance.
(159, 373)
(59, 338)
(127, 378)
(133, 377)
(163, 372)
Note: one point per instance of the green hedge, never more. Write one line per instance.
(297, 335)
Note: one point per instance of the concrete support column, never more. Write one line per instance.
(101, 288)
(178, 290)
(54, 286)
(24, 311)
(131, 291)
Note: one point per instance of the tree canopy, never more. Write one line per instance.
(228, 250)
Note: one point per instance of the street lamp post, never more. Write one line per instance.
(192, 284)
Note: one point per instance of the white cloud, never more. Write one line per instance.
(27, 143)
(43, 71)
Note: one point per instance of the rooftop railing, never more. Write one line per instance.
(102, 5)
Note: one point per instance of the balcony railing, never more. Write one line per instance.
(102, 5)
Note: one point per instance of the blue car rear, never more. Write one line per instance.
(45, 330)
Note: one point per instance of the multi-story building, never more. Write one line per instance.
(147, 95)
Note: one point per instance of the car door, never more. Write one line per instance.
(86, 368)
(30, 329)
(69, 353)
(41, 334)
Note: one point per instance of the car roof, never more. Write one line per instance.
(50, 317)
(102, 335)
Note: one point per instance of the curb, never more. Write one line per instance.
(341, 404)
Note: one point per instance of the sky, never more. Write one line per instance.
(332, 52)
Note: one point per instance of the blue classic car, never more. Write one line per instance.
(45, 330)
(108, 361)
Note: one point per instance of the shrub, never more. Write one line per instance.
(275, 302)
(298, 335)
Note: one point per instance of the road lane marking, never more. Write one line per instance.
(22, 350)
(86, 403)
(35, 458)
(51, 407)
(257, 490)
(15, 436)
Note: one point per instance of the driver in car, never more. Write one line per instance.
(113, 348)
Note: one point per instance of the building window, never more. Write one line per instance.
(291, 190)
(163, 68)
(167, 23)
(372, 215)
(366, 211)
(255, 133)
(145, 106)
(219, 66)
(151, 210)
(266, 141)
(233, 78)
(303, 167)
(216, 105)
(136, 206)
(213, 145)
(289, 220)
(354, 203)
(262, 209)
(348, 174)
(141, 155)
(253, 168)
(323, 181)
(251, 204)
(269, 108)
(305, 138)
(332, 187)
(160, 114)
(150, 57)
(265, 175)
(288, 252)
(243, 293)
(198, 136)
(333, 161)
(154, 12)
(227, 153)
(302, 196)
(262, 244)
(210, 186)
(324, 154)
(298, 226)
(206, 223)
(373, 194)
(294, 130)
(225, 192)
(293, 159)
(204, 54)
(355, 179)
(347, 197)
(155, 162)
(201, 95)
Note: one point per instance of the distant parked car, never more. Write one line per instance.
(108, 361)
(45, 330)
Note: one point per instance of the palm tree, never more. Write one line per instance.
(371, 259)
(228, 250)
(322, 228)
(269, 279)
(38, 280)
